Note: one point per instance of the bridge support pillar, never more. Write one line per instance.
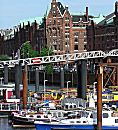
(37, 80)
(117, 75)
(5, 74)
(82, 79)
(17, 81)
(62, 77)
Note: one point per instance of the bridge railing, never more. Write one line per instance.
(60, 58)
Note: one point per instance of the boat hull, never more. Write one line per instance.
(18, 122)
(71, 127)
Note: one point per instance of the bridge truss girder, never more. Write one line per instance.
(60, 58)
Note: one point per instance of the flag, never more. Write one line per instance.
(36, 60)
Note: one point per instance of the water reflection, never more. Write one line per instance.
(5, 126)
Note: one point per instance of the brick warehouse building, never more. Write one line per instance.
(12, 39)
(104, 35)
(66, 33)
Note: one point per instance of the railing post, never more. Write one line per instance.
(0, 106)
(9, 106)
(16, 105)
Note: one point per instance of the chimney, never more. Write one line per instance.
(66, 7)
(28, 24)
(23, 25)
(53, 1)
(116, 8)
(20, 26)
(35, 25)
(86, 13)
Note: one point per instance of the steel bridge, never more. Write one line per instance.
(60, 58)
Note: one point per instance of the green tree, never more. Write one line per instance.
(47, 52)
(27, 51)
(4, 57)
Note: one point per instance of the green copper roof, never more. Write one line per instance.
(98, 19)
(107, 19)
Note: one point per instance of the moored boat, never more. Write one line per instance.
(8, 101)
(89, 122)
(26, 119)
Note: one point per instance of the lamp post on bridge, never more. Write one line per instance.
(1, 79)
(67, 86)
(44, 88)
(18, 53)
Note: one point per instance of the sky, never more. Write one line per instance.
(13, 11)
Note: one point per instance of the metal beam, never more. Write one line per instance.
(60, 58)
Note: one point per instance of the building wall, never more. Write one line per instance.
(104, 36)
(66, 33)
(9, 44)
(54, 29)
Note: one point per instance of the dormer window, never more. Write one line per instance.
(80, 19)
(54, 13)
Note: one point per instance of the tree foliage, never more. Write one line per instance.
(4, 58)
(49, 68)
(27, 51)
(47, 52)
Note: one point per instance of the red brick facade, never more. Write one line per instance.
(9, 44)
(66, 33)
(104, 35)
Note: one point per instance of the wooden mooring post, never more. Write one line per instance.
(99, 102)
(25, 87)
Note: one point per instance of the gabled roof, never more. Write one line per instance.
(108, 20)
(61, 8)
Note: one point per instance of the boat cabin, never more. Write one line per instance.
(107, 116)
(69, 106)
(7, 93)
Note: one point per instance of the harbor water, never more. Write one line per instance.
(4, 125)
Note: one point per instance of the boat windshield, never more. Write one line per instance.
(84, 114)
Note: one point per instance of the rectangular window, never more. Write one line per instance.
(76, 34)
(55, 47)
(75, 47)
(76, 39)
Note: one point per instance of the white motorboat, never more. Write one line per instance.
(89, 121)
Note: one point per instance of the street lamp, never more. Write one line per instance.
(44, 88)
(67, 87)
(94, 88)
(1, 79)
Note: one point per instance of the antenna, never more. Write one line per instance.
(45, 15)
